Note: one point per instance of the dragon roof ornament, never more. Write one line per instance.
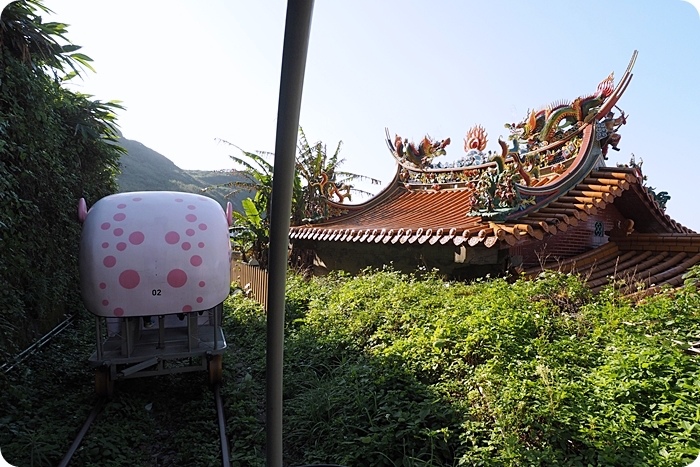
(545, 145)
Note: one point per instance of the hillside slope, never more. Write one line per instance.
(144, 169)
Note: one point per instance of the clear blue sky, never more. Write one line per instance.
(191, 72)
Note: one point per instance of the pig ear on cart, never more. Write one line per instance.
(82, 210)
(229, 213)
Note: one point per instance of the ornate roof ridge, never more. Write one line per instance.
(505, 199)
(389, 219)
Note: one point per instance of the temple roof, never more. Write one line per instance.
(547, 180)
(400, 214)
(552, 178)
(642, 263)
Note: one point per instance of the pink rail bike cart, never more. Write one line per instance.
(155, 268)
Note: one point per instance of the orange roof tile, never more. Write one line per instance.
(640, 263)
(404, 215)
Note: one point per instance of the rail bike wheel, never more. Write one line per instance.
(104, 385)
(215, 369)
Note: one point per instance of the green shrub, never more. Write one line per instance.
(392, 369)
(56, 146)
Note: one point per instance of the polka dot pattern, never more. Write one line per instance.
(177, 278)
(151, 250)
(129, 279)
(136, 238)
(172, 238)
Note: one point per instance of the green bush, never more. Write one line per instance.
(56, 146)
(392, 369)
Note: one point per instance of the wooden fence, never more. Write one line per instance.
(252, 280)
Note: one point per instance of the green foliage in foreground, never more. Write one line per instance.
(56, 146)
(156, 421)
(389, 369)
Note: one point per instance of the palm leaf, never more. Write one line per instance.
(35, 43)
(252, 215)
(351, 177)
(250, 158)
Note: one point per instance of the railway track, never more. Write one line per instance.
(36, 346)
(102, 403)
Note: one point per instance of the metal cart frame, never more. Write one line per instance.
(195, 342)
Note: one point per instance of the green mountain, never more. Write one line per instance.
(143, 169)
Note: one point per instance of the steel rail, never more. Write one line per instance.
(43, 340)
(225, 456)
(225, 461)
(83, 431)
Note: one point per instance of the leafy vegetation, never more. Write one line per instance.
(56, 146)
(164, 421)
(322, 180)
(381, 369)
(251, 225)
(389, 369)
(317, 180)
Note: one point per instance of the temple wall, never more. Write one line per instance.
(585, 236)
